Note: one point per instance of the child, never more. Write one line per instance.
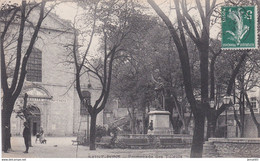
(37, 137)
(41, 135)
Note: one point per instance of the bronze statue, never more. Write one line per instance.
(160, 94)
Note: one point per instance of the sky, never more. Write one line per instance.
(68, 10)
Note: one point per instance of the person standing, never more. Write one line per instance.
(41, 133)
(26, 135)
(151, 125)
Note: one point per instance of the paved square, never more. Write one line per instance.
(61, 147)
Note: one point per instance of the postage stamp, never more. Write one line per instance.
(239, 27)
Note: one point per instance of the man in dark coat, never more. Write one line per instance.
(26, 134)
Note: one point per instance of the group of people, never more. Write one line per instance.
(26, 136)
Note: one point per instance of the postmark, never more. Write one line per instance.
(239, 27)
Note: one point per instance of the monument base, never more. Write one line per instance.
(160, 122)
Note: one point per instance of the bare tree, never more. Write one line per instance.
(110, 18)
(200, 36)
(16, 15)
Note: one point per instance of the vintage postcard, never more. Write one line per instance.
(129, 79)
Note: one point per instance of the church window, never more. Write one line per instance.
(34, 66)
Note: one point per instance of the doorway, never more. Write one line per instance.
(35, 120)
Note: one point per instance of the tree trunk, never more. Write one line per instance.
(143, 121)
(187, 123)
(93, 120)
(133, 121)
(258, 131)
(6, 132)
(6, 125)
(133, 125)
(242, 117)
(172, 122)
(212, 122)
(198, 136)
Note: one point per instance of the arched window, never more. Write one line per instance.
(87, 96)
(34, 66)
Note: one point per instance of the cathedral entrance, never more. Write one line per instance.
(35, 120)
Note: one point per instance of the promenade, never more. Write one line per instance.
(61, 147)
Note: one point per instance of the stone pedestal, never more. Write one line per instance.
(161, 123)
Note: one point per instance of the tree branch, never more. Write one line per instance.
(29, 50)
(187, 15)
(212, 73)
(231, 81)
(19, 48)
(182, 51)
(90, 40)
(201, 12)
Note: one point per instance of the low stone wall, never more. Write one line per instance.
(186, 139)
(237, 147)
(158, 135)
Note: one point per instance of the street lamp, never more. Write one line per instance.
(211, 111)
(226, 100)
(236, 106)
(212, 104)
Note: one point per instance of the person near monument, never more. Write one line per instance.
(151, 125)
(26, 135)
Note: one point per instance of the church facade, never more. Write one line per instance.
(50, 85)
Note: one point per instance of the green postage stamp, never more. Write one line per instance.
(239, 27)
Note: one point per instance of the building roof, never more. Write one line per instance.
(61, 25)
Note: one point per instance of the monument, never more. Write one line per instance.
(159, 122)
(159, 119)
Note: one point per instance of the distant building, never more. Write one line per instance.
(227, 126)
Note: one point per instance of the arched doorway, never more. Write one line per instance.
(38, 97)
(35, 119)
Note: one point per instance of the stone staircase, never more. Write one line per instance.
(120, 122)
(209, 150)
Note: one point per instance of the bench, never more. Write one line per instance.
(135, 142)
(79, 140)
(104, 142)
(171, 142)
(75, 142)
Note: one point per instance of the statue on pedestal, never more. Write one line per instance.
(160, 91)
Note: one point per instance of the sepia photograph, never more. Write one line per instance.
(130, 79)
